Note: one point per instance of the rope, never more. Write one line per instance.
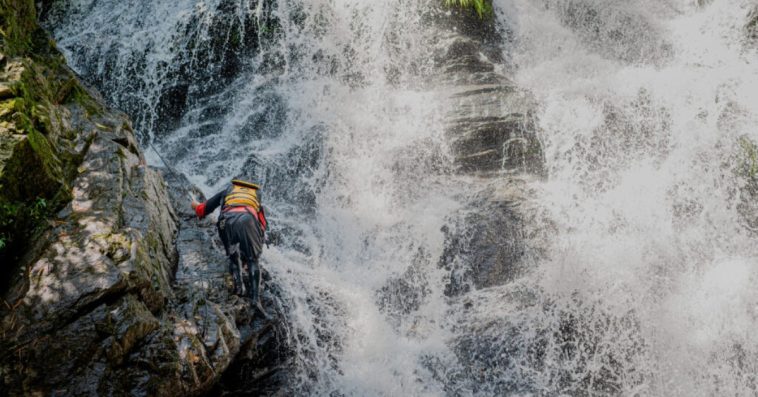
(168, 167)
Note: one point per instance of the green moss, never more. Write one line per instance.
(235, 37)
(9, 107)
(50, 161)
(18, 220)
(33, 176)
(119, 247)
(37, 159)
(17, 24)
(83, 99)
(149, 267)
(65, 90)
(752, 24)
(748, 159)
(483, 8)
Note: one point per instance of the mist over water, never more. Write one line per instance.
(643, 151)
(645, 279)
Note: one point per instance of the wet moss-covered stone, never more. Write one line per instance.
(82, 280)
(18, 20)
(91, 302)
(38, 150)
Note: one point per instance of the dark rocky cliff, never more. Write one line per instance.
(93, 303)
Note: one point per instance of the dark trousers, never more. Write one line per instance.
(243, 240)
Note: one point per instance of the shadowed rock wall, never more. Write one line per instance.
(93, 303)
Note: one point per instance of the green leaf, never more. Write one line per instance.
(483, 8)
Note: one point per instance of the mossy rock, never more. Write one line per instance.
(38, 153)
(30, 173)
(18, 20)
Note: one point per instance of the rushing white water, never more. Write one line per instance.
(349, 175)
(645, 284)
(643, 151)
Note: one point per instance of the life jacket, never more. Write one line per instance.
(243, 196)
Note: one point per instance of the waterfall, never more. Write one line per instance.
(645, 111)
(629, 260)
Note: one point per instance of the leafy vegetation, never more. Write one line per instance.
(19, 220)
(482, 7)
(38, 151)
(748, 166)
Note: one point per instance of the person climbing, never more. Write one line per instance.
(242, 227)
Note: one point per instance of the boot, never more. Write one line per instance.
(255, 287)
(234, 269)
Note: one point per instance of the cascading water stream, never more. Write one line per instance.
(646, 260)
(645, 111)
(347, 160)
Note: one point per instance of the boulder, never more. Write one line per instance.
(487, 247)
(109, 290)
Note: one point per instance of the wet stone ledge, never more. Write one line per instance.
(110, 289)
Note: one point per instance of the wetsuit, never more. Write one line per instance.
(241, 226)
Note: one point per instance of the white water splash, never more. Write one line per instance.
(645, 286)
(644, 188)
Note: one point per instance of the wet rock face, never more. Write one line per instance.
(492, 135)
(117, 293)
(246, 354)
(490, 121)
(491, 132)
(488, 251)
(615, 29)
(751, 27)
(559, 340)
(492, 129)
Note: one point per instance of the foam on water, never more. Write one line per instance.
(645, 284)
(644, 187)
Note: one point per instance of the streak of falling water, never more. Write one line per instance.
(648, 286)
(646, 111)
(348, 147)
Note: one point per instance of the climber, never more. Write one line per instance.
(242, 227)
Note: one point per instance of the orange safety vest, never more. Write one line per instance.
(244, 197)
(243, 194)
